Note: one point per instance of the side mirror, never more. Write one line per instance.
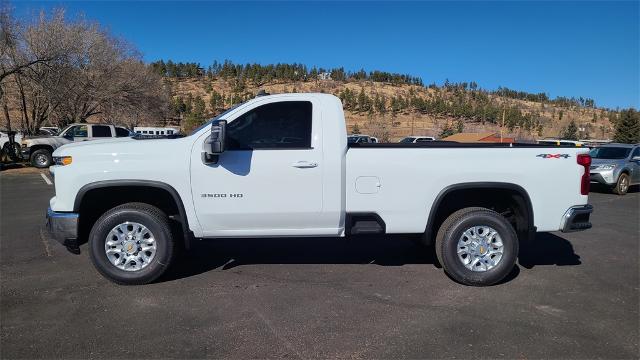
(216, 143)
(68, 135)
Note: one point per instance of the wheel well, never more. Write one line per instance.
(39, 147)
(96, 201)
(510, 201)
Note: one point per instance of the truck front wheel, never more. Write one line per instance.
(477, 246)
(622, 185)
(132, 244)
(41, 158)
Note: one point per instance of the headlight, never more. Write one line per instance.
(606, 167)
(62, 160)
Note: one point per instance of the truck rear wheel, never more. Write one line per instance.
(132, 244)
(477, 246)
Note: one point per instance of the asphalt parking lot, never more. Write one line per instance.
(572, 296)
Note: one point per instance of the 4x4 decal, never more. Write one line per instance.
(553, 156)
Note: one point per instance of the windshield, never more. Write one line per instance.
(407, 140)
(208, 123)
(610, 153)
(62, 133)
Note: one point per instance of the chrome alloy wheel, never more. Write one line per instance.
(130, 246)
(41, 160)
(480, 248)
(624, 184)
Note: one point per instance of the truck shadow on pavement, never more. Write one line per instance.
(547, 249)
(225, 254)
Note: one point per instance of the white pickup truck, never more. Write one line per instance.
(280, 166)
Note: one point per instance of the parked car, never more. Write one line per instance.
(417, 139)
(616, 166)
(10, 146)
(359, 138)
(38, 149)
(49, 130)
(4, 137)
(136, 199)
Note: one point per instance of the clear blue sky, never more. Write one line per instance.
(588, 49)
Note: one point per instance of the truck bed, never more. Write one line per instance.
(402, 185)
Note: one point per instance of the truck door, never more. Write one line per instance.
(268, 182)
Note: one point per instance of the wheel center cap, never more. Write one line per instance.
(130, 247)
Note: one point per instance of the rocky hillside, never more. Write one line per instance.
(391, 111)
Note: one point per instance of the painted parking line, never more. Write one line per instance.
(46, 179)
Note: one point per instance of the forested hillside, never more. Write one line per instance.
(386, 105)
(56, 71)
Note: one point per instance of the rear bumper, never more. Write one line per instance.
(576, 218)
(62, 226)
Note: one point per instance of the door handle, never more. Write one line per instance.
(304, 164)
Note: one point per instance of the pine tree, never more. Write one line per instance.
(215, 101)
(460, 126)
(199, 107)
(446, 131)
(571, 132)
(628, 127)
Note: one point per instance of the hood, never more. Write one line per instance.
(595, 162)
(121, 147)
(86, 144)
(28, 137)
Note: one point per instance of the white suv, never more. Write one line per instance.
(417, 139)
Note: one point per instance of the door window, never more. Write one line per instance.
(636, 152)
(80, 131)
(280, 125)
(101, 131)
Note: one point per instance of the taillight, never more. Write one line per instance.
(585, 161)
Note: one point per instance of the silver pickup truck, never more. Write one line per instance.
(38, 149)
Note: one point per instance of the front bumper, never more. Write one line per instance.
(63, 226)
(25, 152)
(603, 177)
(576, 218)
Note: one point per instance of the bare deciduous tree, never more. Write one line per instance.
(63, 71)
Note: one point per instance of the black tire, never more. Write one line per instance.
(447, 244)
(11, 152)
(41, 158)
(620, 188)
(151, 217)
